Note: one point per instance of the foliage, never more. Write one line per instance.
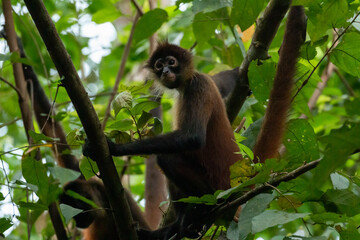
(321, 204)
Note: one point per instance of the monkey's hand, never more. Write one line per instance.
(112, 147)
(88, 151)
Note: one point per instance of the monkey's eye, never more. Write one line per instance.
(158, 65)
(172, 61)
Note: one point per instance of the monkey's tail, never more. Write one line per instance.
(273, 128)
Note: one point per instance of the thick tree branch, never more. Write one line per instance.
(25, 106)
(17, 69)
(266, 29)
(88, 117)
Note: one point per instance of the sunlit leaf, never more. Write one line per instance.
(64, 175)
(143, 29)
(69, 212)
(272, 218)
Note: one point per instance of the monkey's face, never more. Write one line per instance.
(167, 69)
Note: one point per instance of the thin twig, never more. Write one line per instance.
(241, 125)
(325, 55)
(9, 123)
(138, 8)
(291, 203)
(121, 71)
(13, 87)
(345, 82)
(51, 109)
(215, 231)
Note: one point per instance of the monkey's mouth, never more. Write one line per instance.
(170, 81)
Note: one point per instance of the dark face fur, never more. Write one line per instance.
(171, 64)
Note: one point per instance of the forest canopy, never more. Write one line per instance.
(311, 191)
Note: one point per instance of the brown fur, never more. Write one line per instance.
(273, 127)
(218, 153)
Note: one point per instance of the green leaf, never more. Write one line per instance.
(140, 89)
(69, 212)
(107, 14)
(241, 171)
(341, 143)
(81, 198)
(251, 133)
(121, 125)
(346, 201)
(261, 79)
(349, 234)
(144, 118)
(158, 127)
(40, 136)
(272, 218)
(143, 29)
(339, 182)
(145, 106)
(1, 196)
(346, 55)
(308, 51)
(207, 199)
(60, 116)
(33, 206)
(64, 175)
(253, 207)
(88, 167)
(34, 172)
(329, 218)
(352, 106)
(72, 138)
(300, 142)
(120, 136)
(5, 224)
(204, 26)
(122, 100)
(244, 13)
(331, 14)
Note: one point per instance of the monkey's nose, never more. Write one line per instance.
(166, 70)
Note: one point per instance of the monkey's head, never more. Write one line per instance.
(171, 64)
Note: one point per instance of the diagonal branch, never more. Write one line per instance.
(266, 29)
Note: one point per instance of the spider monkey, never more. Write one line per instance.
(196, 156)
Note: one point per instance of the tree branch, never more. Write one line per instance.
(88, 117)
(264, 34)
(263, 188)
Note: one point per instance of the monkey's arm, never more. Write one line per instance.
(174, 142)
(190, 136)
